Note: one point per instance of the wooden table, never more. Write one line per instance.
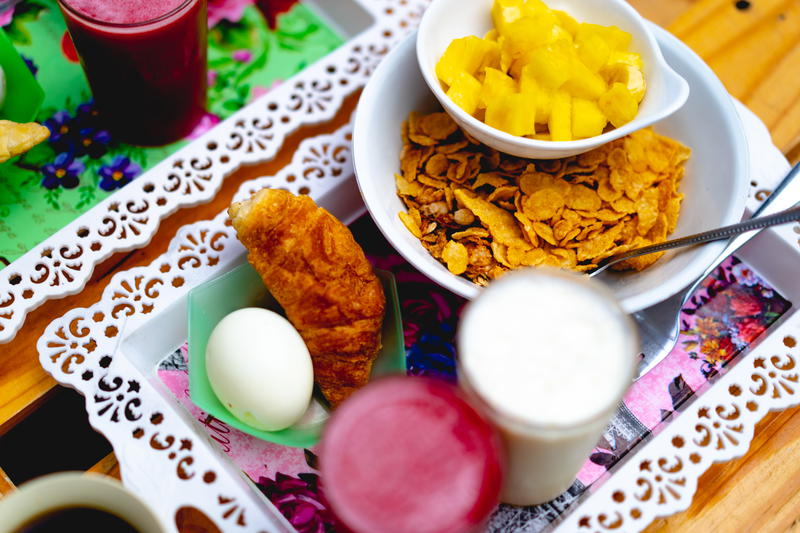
(754, 46)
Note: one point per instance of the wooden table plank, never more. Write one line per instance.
(6, 486)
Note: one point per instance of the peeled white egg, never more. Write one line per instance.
(260, 369)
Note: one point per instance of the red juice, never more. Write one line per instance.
(410, 455)
(146, 64)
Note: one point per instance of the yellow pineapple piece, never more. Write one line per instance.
(566, 21)
(529, 32)
(617, 57)
(466, 54)
(496, 85)
(560, 122)
(505, 12)
(619, 105)
(593, 51)
(616, 38)
(465, 92)
(552, 64)
(528, 85)
(583, 83)
(491, 35)
(587, 119)
(629, 76)
(513, 114)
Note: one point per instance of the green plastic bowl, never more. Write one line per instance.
(24, 96)
(242, 287)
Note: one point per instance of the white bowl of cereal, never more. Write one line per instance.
(714, 186)
(633, 88)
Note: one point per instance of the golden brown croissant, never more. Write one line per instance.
(316, 271)
(16, 138)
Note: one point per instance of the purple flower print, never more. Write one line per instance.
(299, 500)
(242, 56)
(64, 171)
(62, 131)
(92, 142)
(119, 173)
(86, 115)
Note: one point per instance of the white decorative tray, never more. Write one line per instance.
(63, 263)
(110, 351)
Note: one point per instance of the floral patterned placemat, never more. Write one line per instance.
(731, 310)
(250, 51)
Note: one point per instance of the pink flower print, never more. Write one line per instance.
(242, 56)
(230, 10)
(6, 14)
(211, 76)
(208, 121)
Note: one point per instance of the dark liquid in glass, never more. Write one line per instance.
(146, 64)
(74, 519)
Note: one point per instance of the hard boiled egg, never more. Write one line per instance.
(260, 368)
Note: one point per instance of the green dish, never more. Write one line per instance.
(242, 287)
(24, 96)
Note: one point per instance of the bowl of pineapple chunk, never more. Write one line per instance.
(546, 78)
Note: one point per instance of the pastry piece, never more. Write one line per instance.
(16, 138)
(316, 271)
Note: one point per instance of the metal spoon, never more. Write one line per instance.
(659, 324)
(726, 232)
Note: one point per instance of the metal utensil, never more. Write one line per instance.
(659, 324)
(726, 232)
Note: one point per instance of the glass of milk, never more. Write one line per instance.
(548, 355)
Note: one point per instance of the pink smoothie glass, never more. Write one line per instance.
(146, 64)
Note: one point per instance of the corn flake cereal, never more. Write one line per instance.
(482, 213)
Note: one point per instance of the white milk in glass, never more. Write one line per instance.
(548, 355)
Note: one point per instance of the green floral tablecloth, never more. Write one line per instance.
(81, 164)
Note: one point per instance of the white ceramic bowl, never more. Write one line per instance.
(445, 20)
(715, 184)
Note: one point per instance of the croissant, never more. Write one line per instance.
(316, 271)
(16, 138)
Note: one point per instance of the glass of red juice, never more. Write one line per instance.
(146, 64)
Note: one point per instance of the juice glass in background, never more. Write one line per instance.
(146, 64)
(547, 356)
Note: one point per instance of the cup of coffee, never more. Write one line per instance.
(74, 501)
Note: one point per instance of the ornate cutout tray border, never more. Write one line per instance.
(109, 352)
(63, 264)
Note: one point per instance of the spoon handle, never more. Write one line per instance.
(782, 217)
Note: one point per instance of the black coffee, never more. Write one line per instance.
(85, 519)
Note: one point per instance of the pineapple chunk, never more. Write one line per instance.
(566, 21)
(560, 122)
(616, 38)
(513, 114)
(583, 83)
(619, 105)
(529, 32)
(496, 86)
(552, 64)
(629, 76)
(465, 92)
(505, 12)
(593, 51)
(529, 86)
(466, 54)
(587, 119)
(625, 58)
